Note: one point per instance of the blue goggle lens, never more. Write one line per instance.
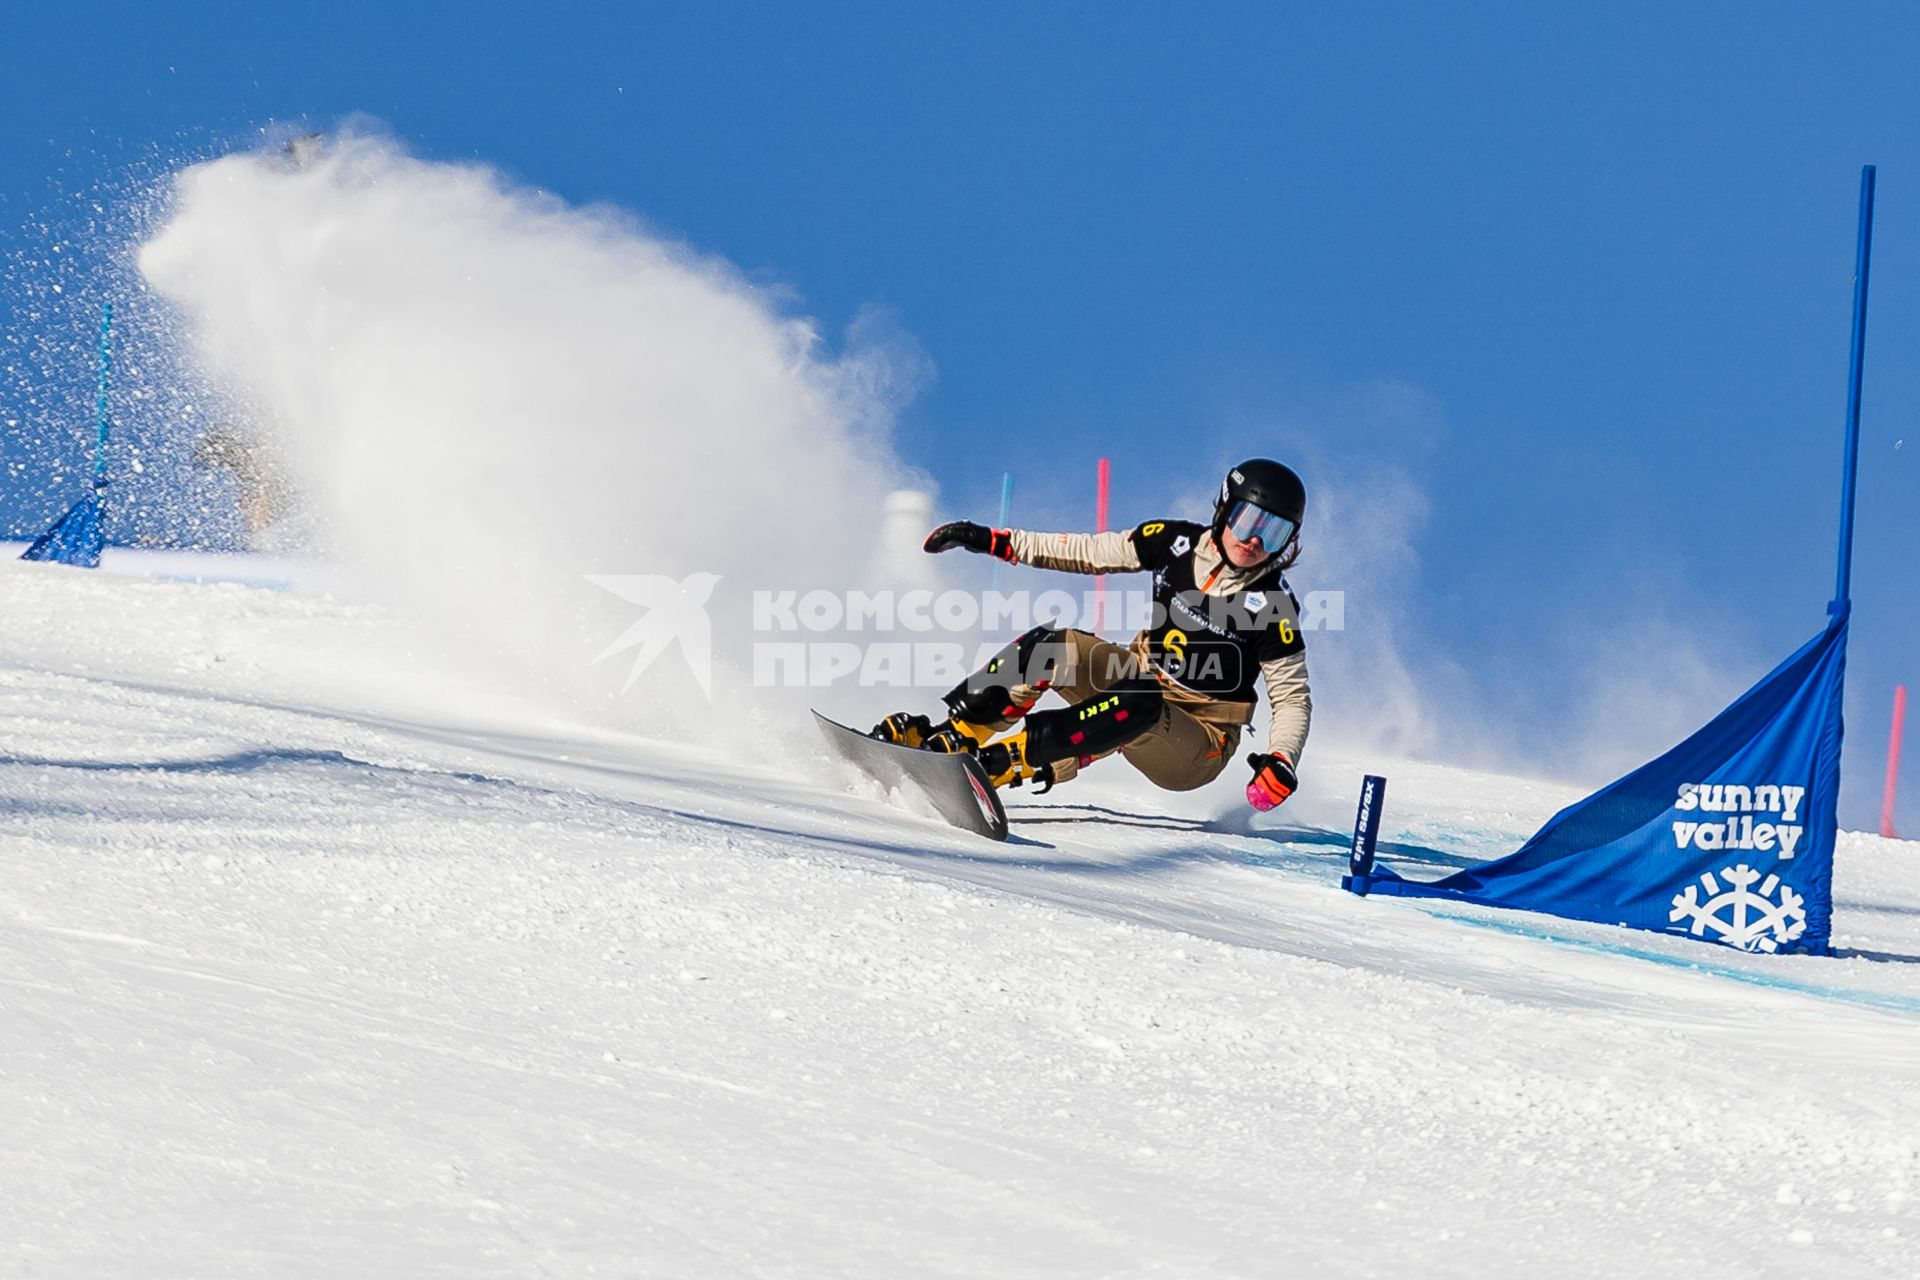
(1251, 523)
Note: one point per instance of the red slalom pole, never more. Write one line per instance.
(1893, 762)
(1100, 526)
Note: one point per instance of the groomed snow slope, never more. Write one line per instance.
(315, 965)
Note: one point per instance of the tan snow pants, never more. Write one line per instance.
(1189, 745)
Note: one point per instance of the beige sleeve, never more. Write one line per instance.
(1077, 552)
(1290, 703)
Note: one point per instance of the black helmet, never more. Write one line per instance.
(1267, 485)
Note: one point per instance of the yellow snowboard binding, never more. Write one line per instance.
(1006, 764)
(904, 729)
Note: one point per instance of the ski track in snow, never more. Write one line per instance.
(312, 964)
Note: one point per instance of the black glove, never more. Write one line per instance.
(974, 537)
(1273, 781)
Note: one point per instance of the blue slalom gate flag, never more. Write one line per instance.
(1728, 837)
(75, 538)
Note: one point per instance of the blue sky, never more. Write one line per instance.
(1596, 260)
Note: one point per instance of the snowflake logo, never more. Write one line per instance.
(1739, 916)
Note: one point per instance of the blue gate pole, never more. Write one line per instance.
(1006, 507)
(1843, 587)
(106, 358)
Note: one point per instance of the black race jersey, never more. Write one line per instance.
(1212, 645)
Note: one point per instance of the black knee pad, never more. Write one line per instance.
(1103, 723)
(983, 697)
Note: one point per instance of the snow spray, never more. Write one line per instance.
(488, 396)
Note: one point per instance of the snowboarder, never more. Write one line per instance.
(1176, 699)
(264, 493)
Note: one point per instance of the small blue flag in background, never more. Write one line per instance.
(75, 538)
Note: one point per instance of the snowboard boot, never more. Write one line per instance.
(1006, 765)
(904, 729)
(956, 735)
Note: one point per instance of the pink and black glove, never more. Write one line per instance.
(1273, 781)
(997, 543)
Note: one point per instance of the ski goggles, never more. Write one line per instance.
(1251, 523)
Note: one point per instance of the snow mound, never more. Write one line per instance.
(317, 963)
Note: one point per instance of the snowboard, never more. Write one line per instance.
(956, 785)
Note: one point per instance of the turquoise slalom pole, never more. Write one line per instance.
(1006, 507)
(75, 538)
(1843, 585)
(106, 364)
